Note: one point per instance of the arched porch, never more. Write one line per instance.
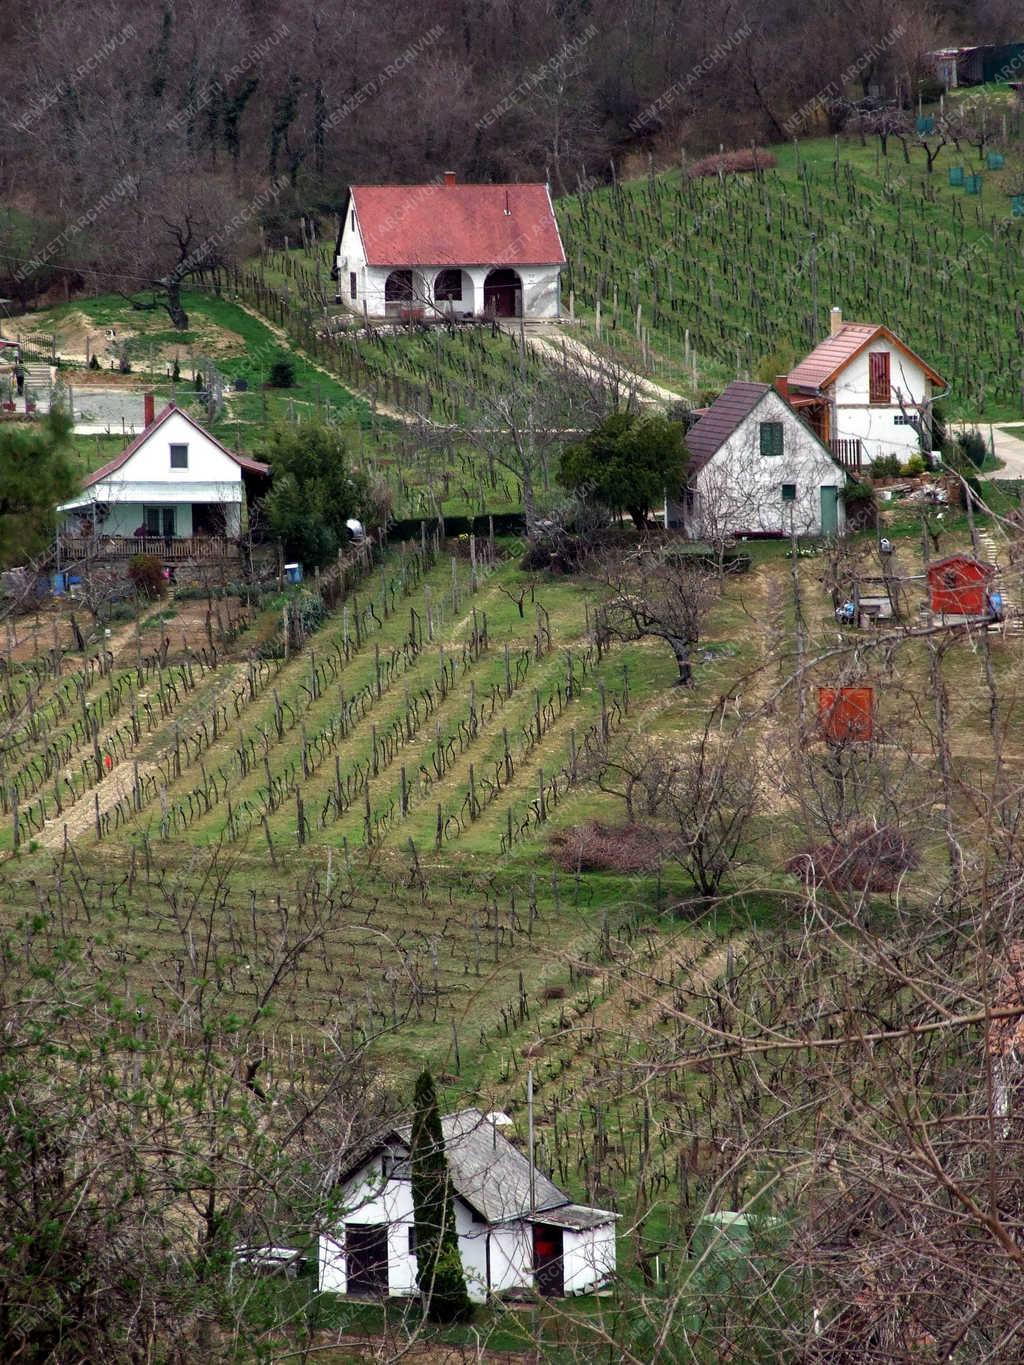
(503, 293)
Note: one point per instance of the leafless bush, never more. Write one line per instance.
(595, 847)
(732, 163)
(867, 858)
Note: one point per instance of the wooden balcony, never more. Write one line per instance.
(170, 549)
(846, 450)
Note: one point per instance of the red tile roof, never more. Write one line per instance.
(720, 421)
(440, 224)
(817, 370)
(251, 466)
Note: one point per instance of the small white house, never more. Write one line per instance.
(449, 250)
(174, 483)
(562, 1248)
(756, 469)
(865, 393)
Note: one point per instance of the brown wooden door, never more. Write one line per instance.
(547, 1260)
(366, 1259)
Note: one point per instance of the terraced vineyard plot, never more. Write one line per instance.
(731, 271)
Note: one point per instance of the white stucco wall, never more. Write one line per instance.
(588, 1258)
(368, 1200)
(207, 463)
(740, 490)
(540, 284)
(875, 424)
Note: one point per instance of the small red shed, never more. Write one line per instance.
(959, 584)
(846, 713)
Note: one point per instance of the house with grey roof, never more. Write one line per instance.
(518, 1232)
(756, 469)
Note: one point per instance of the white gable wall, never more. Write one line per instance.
(369, 1199)
(494, 1257)
(588, 1258)
(740, 490)
(207, 463)
(875, 424)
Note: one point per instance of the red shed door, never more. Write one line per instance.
(846, 714)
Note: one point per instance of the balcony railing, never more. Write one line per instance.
(847, 450)
(166, 548)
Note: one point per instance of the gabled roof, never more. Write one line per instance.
(961, 557)
(443, 224)
(819, 369)
(98, 475)
(493, 1177)
(721, 419)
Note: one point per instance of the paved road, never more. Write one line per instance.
(1009, 449)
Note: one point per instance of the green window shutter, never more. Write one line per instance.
(789, 492)
(771, 438)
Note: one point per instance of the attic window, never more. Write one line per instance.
(789, 492)
(352, 220)
(179, 457)
(879, 383)
(771, 438)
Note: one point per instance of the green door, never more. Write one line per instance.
(829, 510)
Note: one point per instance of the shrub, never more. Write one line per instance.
(859, 500)
(175, 371)
(282, 374)
(973, 446)
(607, 848)
(147, 575)
(914, 466)
(732, 163)
(866, 858)
(94, 363)
(885, 467)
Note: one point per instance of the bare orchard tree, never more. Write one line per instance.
(522, 422)
(701, 795)
(658, 593)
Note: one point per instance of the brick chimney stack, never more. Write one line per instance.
(449, 177)
(149, 410)
(835, 320)
(782, 386)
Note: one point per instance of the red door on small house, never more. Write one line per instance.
(547, 1260)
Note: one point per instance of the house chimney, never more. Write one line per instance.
(449, 177)
(782, 386)
(835, 320)
(149, 410)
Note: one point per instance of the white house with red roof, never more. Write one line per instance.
(175, 483)
(865, 393)
(449, 250)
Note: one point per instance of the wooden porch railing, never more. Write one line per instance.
(168, 549)
(847, 450)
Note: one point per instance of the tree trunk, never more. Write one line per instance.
(173, 304)
(682, 649)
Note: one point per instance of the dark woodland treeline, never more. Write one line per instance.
(132, 112)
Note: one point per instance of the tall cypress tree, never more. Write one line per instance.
(439, 1274)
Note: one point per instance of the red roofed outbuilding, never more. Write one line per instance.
(959, 585)
(449, 250)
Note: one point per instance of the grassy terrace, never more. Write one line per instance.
(748, 267)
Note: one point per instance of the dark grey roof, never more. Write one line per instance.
(491, 1175)
(720, 421)
(577, 1217)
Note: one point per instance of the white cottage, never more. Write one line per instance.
(756, 469)
(449, 250)
(865, 393)
(174, 489)
(562, 1248)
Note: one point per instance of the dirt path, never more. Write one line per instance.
(560, 349)
(1007, 447)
